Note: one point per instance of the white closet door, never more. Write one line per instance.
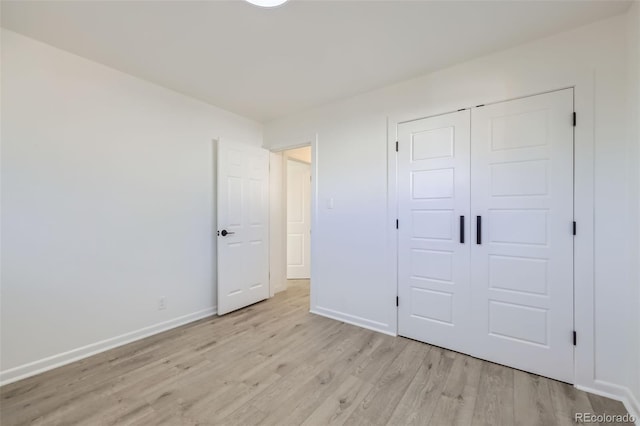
(522, 268)
(433, 263)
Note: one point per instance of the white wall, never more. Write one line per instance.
(633, 26)
(354, 279)
(107, 205)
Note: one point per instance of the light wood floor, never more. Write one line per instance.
(275, 364)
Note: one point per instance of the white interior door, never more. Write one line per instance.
(298, 219)
(522, 264)
(433, 231)
(243, 225)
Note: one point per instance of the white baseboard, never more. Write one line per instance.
(40, 366)
(353, 320)
(617, 392)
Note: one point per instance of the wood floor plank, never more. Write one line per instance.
(602, 405)
(274, 363)
(457, 401)
(494, 404)
(567, 401)
(375, 364)
(417, 404)
(379, 404)
(330, 376)
(336, 408)
(532, 400)
(287, 386)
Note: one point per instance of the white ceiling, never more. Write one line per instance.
(268, 63)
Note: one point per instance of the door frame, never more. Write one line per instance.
(583, 253)
(313, 143)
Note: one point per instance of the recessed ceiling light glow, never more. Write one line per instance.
(267, 3)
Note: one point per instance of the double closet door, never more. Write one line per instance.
(485, 238)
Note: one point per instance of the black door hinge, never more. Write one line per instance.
(575, 119)
(397, 224)
(575, 338)
(397, 301)
(575, 227)
(396, 146)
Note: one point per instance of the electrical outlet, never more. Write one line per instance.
(162, 304)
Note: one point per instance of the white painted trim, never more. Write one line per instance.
(64, 358)
(620, 393)
(313, 296)
(353, 320)
(392, 212)
(284, 189)
(583, 242)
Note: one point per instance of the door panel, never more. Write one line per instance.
(243, 253)
(433, 266)
(298, 220)
(522, 272)
(506, 295)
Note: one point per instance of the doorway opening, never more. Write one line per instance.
(290, 208)
(298, 213)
